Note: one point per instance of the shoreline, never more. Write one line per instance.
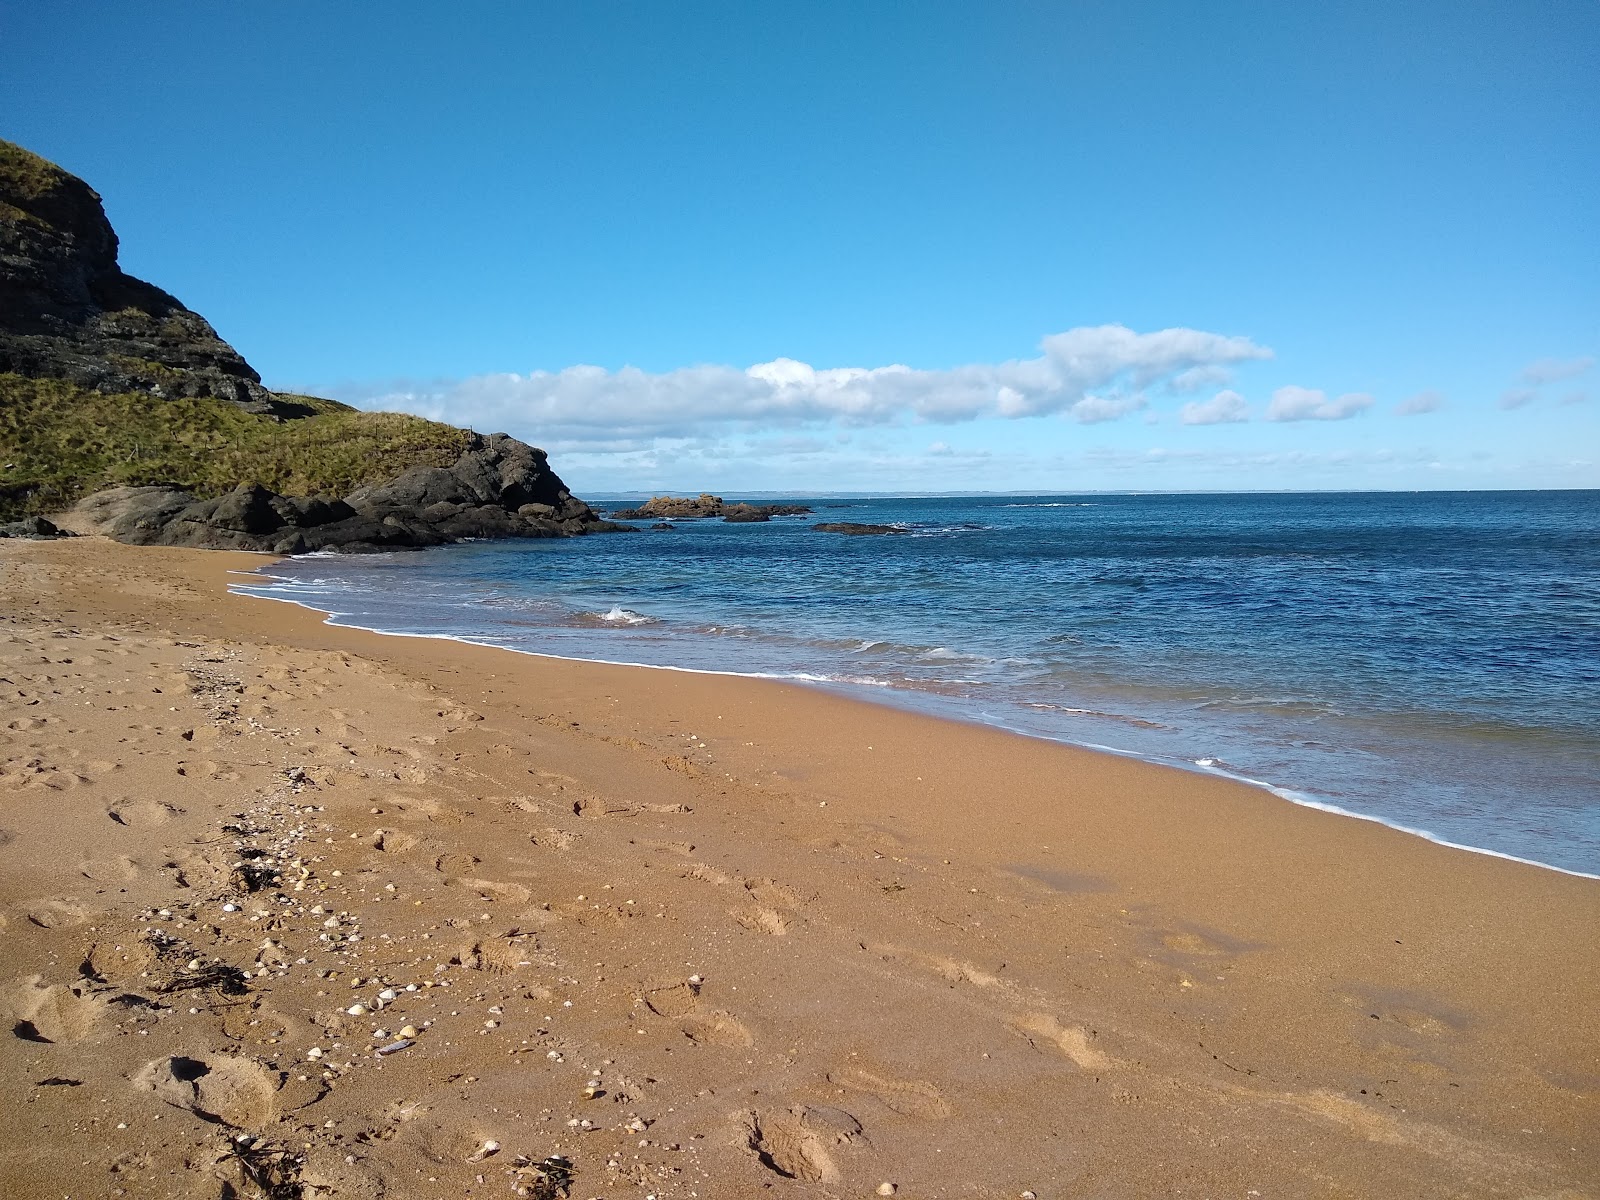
(792, 940)
(1283, 792)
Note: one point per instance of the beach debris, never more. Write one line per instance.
(387, 995)
(225, 977)
(887, 1189)
(408, 1031)
(253, 876)
(484, 1151)
(550, 1179)
(357, 1010)
(394, 1047)
(275, 1172)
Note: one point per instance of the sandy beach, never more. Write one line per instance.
(703, 936)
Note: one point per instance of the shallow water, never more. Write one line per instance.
(1431, 660)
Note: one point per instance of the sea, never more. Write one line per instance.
(1429, 660)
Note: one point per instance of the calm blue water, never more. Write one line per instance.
(1432, 659)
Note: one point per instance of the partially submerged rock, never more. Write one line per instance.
(855, 528)
(705, 505)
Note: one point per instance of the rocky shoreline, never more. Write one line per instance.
(499, 488)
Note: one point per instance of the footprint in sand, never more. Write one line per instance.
(717, 1028)
(949, 969)
(1416, 1012)
(455, 864)
(763, 920)
(391, 841)
(799, 1143)
(1073, 1041)
(61, 912)
(674, 999)
(141, 813)
(51, 1013)
(116, 959)
(680, 1001)
(491, 890)
(1189, 946)
(229, 1091)
(554, 839)
(120, 869)
(908, 1097)
(786, 1148)
(35, 772)
(499, 954)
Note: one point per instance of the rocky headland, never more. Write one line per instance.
(125, 411)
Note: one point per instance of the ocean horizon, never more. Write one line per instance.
(1430, 660)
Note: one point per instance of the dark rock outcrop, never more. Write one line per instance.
(705, 505)
(32, 527)
(499, 487)
(67, 311)
(855, 528)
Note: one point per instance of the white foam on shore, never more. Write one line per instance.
(345, 620)
(626, 616)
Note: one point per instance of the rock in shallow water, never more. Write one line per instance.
(855, 529)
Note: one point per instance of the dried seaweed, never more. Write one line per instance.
(276, 1172)
(225, 977)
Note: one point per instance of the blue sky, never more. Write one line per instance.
(873, 246)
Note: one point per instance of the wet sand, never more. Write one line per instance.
(707, 936)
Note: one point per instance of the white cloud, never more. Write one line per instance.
(1088, 375)
(1309, 404)
(1517, 398)
(1224, 408)
(1554, 370)
(1422, 402)
(1198, 378)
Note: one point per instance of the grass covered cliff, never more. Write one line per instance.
(59, 442)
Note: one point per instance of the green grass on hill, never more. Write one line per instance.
(58, 443)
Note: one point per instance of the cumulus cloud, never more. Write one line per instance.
(1088, 375)
(1554, 370)
(1422, 402)
(1517, 398)
(1225, 407)
(1310, 404)
(1197, 379)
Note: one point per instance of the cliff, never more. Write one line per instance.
(108, 385)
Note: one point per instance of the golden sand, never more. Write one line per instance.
(709, 937)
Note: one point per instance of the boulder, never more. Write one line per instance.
(32, 527)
